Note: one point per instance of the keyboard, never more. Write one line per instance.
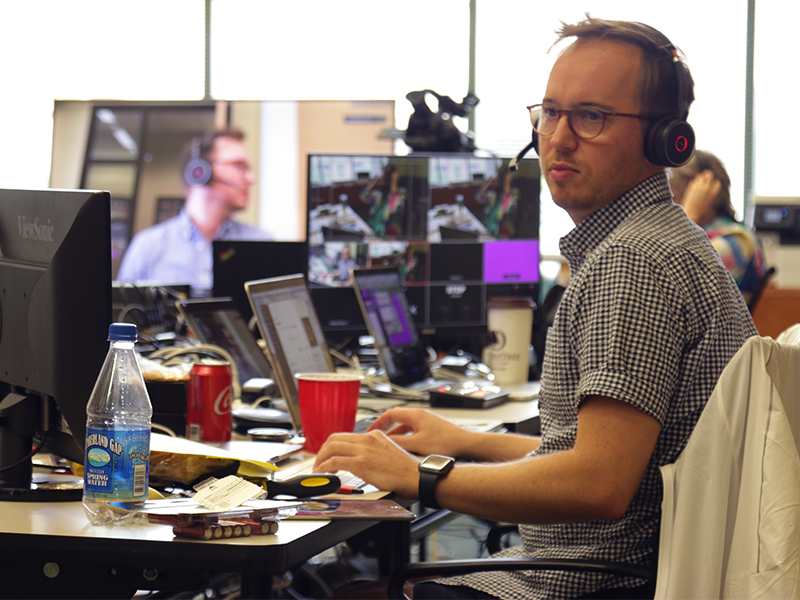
(362, 425)
(347, 479)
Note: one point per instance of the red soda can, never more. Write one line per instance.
(208, 402)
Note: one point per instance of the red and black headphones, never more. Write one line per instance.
(670, 140)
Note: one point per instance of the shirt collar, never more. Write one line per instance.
(189, 230)
(587, 236)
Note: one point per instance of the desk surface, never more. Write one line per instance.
(52, 551)
(519, 417)
(68, 519)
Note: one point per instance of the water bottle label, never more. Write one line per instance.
(117, 463)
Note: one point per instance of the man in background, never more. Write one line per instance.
(218, 175)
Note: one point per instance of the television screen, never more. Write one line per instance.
(459, 229)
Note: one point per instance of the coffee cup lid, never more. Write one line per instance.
(510, 302)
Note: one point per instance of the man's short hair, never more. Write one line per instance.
(659, 77)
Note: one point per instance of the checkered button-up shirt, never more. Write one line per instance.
(651, 317)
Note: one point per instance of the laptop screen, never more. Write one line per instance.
(217, 321)
(291, 330)
(388, 316)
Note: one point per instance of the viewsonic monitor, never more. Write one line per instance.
(55, 308)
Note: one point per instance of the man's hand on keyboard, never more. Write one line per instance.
(423, 432)
(374, 458)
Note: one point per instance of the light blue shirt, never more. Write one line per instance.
(176, 252)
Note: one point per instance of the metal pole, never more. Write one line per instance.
(207, 65)
(749, 116)
(472, 27)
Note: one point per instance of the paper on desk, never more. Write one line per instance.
(165, 444)
(189, 506)
(226, 493)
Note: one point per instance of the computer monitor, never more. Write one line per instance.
(460, 229)
(55, 308)
(236, 262)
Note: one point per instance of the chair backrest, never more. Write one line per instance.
(731, 508)
(762, 284)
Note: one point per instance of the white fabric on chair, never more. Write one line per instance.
(731, 509)
(790, 335)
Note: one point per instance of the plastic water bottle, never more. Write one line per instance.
(118, 416)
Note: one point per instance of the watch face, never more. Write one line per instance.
(435, 463)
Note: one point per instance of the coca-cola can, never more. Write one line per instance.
(208, 402)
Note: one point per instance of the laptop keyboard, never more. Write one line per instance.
(362, 425)
(347, 479)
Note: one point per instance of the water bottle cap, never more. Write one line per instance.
(122, 332)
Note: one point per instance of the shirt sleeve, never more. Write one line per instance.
(629, 332)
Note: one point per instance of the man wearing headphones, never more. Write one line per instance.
(218, 177)
(648, 322)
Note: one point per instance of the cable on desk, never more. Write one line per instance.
(163, 429)
(29, 456)
(168, 355)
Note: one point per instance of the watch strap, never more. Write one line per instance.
(427, 489)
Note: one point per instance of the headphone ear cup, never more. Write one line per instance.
(197, 172)
(535, 140)
(669, 142)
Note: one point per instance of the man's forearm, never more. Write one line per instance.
(497, 447)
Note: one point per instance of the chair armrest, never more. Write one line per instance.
(460, 567)
(495, 536)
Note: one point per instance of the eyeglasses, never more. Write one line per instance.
(241, 165)
(586, 122)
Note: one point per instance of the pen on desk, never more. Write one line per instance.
(346, 489)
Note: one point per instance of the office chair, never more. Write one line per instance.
(731, 506)
(762, 285)
(394, 588)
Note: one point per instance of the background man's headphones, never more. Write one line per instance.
(670, 140)
(198, 169)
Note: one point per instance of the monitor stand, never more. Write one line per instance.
(19, 417)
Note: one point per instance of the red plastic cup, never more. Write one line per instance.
(328, 404)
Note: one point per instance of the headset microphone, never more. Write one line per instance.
(229, 182)
(533, 145)
(514, 164)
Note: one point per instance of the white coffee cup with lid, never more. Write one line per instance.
(510, 322)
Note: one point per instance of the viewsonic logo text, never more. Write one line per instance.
(41, 232)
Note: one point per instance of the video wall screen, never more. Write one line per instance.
(460, 229)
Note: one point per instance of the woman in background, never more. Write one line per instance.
(702, 186)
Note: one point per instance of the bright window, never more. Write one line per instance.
(367, 49)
